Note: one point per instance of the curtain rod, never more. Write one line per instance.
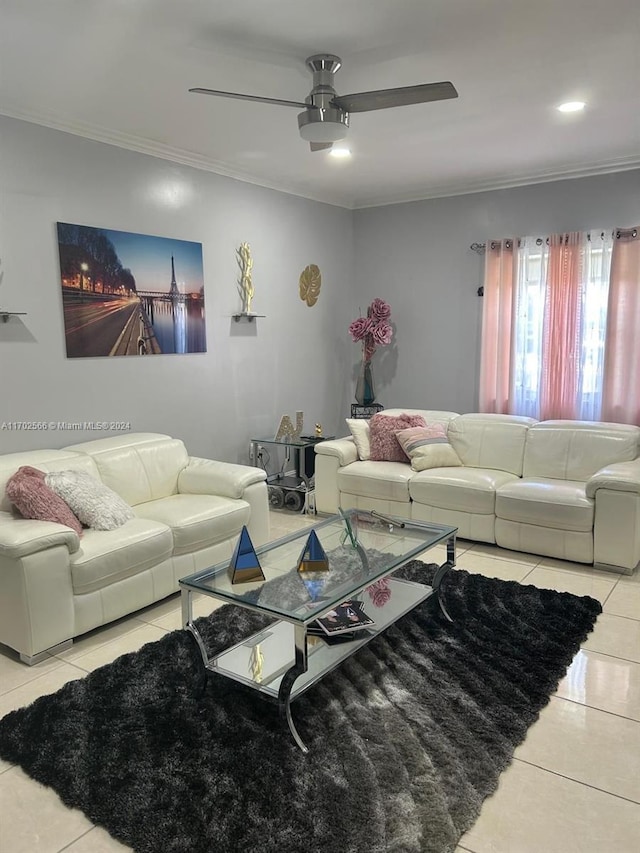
(618, 233)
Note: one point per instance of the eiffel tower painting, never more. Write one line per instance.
(245, 566)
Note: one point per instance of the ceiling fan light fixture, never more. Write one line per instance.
(323, 125)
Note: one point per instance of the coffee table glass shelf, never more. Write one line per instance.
(364, 550)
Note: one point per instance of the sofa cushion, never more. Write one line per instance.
(559, 504)
(34, 499)
(431, 416)
(428, 447)
(461, 489)
(140, 467)
(490, 441)
(43, 460)
(575, 450)
(360, 432)
(384, 444)
(359, 429)
(197, 521)
(383, 480)
(95, 504)
(106, 556)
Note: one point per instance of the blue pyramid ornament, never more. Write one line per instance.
(313, 557)
(245, 566)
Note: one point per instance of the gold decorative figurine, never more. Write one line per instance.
(245, 285)
(286, 428)
(256, 662)
(318, 430)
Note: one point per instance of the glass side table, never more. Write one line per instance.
(292, 461)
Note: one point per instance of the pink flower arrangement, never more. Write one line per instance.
(374, 330)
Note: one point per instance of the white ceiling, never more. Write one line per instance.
(119, 70)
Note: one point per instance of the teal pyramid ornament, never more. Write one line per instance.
(245, 566)
(313, 557)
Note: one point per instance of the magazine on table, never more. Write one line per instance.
(347, 617)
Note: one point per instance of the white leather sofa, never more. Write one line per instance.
(55, 585)
(565, 489)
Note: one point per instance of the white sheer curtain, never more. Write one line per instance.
(593, 330)
(533, 255)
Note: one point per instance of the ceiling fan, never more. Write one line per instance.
(325, 116)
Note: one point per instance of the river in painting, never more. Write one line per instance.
(179, 325)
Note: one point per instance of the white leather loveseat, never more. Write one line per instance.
(189, 512)
(565, 489)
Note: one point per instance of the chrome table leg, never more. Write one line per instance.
(189, 625)
(284, 693)
(441, 572)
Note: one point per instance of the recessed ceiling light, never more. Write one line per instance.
(572, 107)
(340, 152)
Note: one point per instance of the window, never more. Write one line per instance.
(546, 318)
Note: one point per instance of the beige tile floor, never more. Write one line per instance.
(574, 784)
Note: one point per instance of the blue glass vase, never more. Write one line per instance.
(365, 391)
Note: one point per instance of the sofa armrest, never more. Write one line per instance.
(344, 450)
(20, 537)
(619, 477)
(210, 477)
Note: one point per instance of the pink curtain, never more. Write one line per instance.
(561, 339)
(497, 320)
(621, 389)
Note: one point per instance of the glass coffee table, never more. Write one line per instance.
(363, 549)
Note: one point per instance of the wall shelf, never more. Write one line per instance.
(249, 316)
(6, 314)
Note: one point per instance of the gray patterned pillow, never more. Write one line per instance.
(95, 504)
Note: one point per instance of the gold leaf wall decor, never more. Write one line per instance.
(310, 282)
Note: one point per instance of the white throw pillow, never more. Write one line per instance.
(428, 447)
(359, 429)
(95, 504)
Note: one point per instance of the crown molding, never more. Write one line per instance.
(157, 149)
(198, 161)
(623, 164)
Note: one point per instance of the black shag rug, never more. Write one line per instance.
(406, 738)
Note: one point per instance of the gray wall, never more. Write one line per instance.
(251, 373)
(417, 256)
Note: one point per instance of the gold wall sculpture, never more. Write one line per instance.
(310, 284)
(245, 284)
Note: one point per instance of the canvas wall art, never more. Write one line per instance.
(130, 294)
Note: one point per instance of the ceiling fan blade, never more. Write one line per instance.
(320, 146)
(362, 102)
(252, 98)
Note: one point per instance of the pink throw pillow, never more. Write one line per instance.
(385, 447)
(31, 496)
